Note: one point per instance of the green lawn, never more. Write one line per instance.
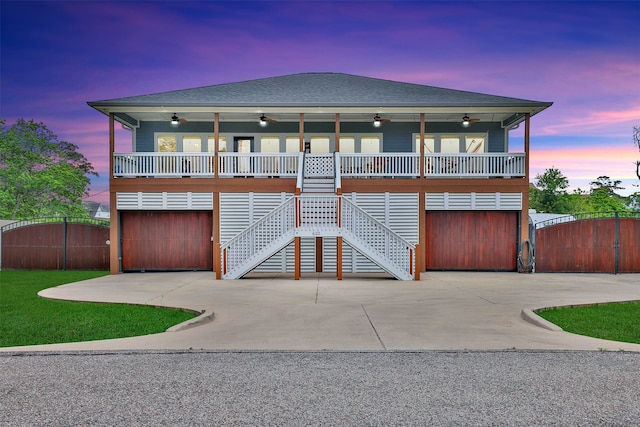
(27, 319)
(618, 322)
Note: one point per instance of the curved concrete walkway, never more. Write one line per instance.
(443, 311)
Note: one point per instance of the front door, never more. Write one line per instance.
(243, 145)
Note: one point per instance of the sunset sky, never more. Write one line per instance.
(583, 56)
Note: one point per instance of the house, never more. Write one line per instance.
(318, 172)
(97, 211)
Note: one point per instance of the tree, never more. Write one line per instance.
(578, 201)
(39, 174)
(636, 141)
(601, 201)
(549, 194)
(605, 183)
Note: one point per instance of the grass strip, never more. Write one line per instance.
(27, 319)
(614, 321)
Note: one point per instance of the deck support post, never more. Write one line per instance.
(339, 257)
(114, 224)
(418, 263)
(296, 245)
(421, 255)
(524, 214)
(217, 261)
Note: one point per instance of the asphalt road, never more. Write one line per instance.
(320, 388)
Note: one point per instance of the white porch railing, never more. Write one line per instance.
(352, 165)
(318, 165)
(163, 164)
(358, 165)
(258, 164)
(475, 165)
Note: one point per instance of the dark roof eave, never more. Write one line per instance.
(541, 105)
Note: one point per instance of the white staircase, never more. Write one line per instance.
(318, 212)
(259, 241)
(377, 242)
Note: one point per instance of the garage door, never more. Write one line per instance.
(162, 240)
(471, 240)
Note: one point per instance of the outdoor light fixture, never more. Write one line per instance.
(466, 121)
(263, 120)
(175, 120)
(377, 121)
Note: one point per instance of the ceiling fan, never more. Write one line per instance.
(467, 121)
(378, 121)
(177, 120)
(264, 120)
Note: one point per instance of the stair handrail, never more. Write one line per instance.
(300, 180)
(378, 237)
(258, 236)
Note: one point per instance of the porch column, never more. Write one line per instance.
(216, 138)
(217, 261)
(338, 132)
(301, 127)
(421, 253)
(422, 127)
(524, 215)
(114, 224)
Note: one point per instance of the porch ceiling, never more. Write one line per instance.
(320, 115)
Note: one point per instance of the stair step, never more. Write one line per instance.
(318, 185)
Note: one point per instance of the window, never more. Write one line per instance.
(167, 144)
(370, 144)
(474, 144)
(450, 144)
(222, 144)
(320, 144)
(191, 144)
(347, 144)
(292, 144)
(270, 144)
(429, 144)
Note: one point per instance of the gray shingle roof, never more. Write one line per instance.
(320, 89)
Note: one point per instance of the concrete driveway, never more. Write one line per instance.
(443, 311)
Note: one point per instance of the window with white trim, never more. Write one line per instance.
(347, 144)
(270, 144)
(452, 143)
(370, 144)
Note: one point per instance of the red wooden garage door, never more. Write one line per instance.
(473, 240)
(161, 240)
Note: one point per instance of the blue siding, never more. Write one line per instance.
(397, 137)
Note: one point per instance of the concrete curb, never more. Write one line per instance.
(205, 317)
(531, 317)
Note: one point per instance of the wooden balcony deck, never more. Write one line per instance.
(275, 165)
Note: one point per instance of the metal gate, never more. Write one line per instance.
(588, 243)
(55, 244)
